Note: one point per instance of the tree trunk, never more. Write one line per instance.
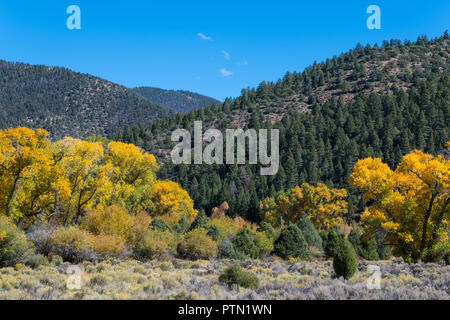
(11, 195)
(425, 223)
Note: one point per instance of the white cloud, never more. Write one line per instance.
(243, 63)
(226, 55)
(225, 72)
(204, 37)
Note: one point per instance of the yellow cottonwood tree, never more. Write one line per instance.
(30, 180)
(130, 175)
(325, 207)
(172, 202)
(409, 206)
(71, 177)
(82, 164)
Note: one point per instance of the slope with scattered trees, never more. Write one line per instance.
(67, 103)
(373, 101)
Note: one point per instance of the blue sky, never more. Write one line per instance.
(241, 43)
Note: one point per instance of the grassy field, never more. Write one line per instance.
(178, 279)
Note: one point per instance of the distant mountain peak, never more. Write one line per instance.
(178, 100)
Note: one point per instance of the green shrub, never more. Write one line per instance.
(244, 243)
(333, 241)
(384, 250)
(374, 250)
(197, 245)
(201, 221)
(344, 261)
(291, 243)
(214, 233)
(310, 233)
(355, 239)
(264, 243)
(235, 274)
(183, 225)
(14, 247)
(226, 250)
(160, 225)
(166, 266)
(268, 230)
(438, 252)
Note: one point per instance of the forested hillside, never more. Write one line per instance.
(67, 103)
(178, 100)
(373, 101)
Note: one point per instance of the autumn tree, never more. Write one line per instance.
(130, 174)
(82, 162)
(29, 178)
(65, 179)
(171, 202)
(324, 206)
(408, 206)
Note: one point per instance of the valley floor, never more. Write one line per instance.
(181, 279)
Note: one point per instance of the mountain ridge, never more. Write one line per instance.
(69, 103)
(375, 101)
(178, 100)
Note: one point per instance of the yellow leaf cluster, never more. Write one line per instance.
(325, 207)
(171, 202)
(408, 205)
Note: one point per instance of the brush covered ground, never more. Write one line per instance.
(179, 279)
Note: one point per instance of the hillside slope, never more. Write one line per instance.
(178, 100)
(369, 102)
(69, 103)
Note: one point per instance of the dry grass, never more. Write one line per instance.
(199, 280)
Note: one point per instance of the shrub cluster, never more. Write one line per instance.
(310, 233)
(153, 243)
(244, 244)
(331, 241)
(344, 261)
(236, 275)
(291, 243)
(14, 247)
(196, 244)
(374, 249)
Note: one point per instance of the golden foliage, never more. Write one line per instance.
(197, 245)
(171, 202)
(72, 237)
(70, 177)
(409, 205)
(220, 212)
(153, 243)
(107, 245)
(112, 220)
(130, 175)
(227, 225)
(28, 176)
(325, 207)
